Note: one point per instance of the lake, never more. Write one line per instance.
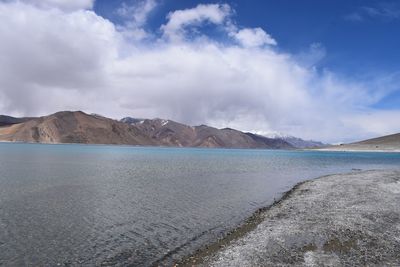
(118, 205)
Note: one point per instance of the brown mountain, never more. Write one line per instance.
(171, 133)
(79, 127)
(387, 141)
(384, 143)
(74, 127)
(7, 120)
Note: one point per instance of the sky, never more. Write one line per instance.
(322, 70)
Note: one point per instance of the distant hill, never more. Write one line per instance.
(171, 133)
(300, 143)
(277, 143)
(75, 127)
(384, 143)
(297, 142)
(79, 127)
(8, 120)
(387, 141)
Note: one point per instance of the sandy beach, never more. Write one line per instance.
(337, 220)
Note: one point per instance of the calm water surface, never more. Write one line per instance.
(112, 205)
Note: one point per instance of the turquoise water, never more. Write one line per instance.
(85, 205)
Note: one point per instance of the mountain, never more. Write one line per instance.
(131, 120)
(7, 120)
(277, 143)
(171, 133)
(296, 142)
(300, 143)
(384, 143)
(79, 127)
(387, 141)
(74, 127)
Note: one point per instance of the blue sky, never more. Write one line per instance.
(324, 70)
(357, 42)
(361, 39)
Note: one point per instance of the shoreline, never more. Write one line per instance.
(355, 150)
(248, 225)
(233, 248)
(228, 148)
(150, 146)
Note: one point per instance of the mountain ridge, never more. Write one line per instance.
(79, 127)
(74, 127)
(386, 143)
(8, 120)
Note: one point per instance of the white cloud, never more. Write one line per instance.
(254, 37)
(135, 17)
(50, 51)
(381, 10)
(52, 60)
(67, 5)
(312, 56)
(137, 13)
(374, 122)
(174, 29)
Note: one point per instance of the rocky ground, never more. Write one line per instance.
(338, 220)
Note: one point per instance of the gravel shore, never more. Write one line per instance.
(337, 220)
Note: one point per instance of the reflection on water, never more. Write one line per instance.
(111, 205)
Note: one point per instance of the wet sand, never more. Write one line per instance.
(337, 220)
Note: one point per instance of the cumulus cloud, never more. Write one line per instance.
(174, 29)
(135, 16)
(49, 51)
(254, 37)
(138, 12)
(67, 5)
(53, 59)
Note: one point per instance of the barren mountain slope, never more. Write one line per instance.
(74, 127)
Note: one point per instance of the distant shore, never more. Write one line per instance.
(350, 149)
(384, 144)
(325, 149)
(335, 220)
